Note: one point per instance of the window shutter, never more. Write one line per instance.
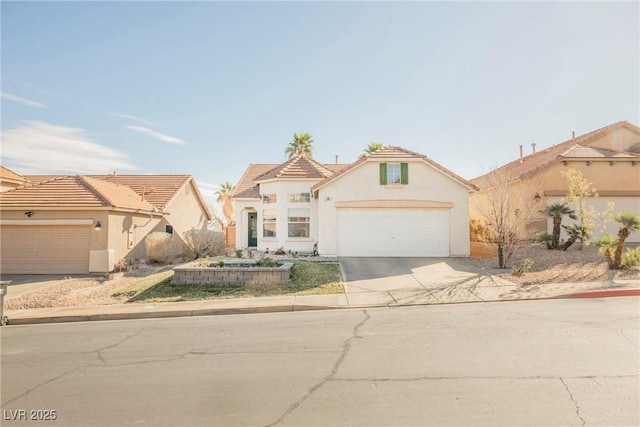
(404, 173)
(383, 174)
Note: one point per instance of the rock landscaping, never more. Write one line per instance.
(554, 266)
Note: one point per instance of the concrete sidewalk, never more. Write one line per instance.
(489, 289)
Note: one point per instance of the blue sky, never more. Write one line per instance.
(205, 88)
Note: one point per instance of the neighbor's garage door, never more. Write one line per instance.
(44, 249)
(393, 232)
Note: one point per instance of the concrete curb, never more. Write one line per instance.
(287, 308)
(603, 293)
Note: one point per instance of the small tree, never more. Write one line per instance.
(580, 190)
(607, 244)
(508, 207)
(630, 222)
(556, 211)
(224, 196)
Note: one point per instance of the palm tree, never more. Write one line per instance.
(302, 144)
(556, 211)
(374, 146)
(606, 244)
(630, 222)
(224, 197)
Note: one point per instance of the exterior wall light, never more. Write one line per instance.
(537, 197)
(29, 213)
(98, 226)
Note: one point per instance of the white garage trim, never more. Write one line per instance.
(394, 204)
(393, 232)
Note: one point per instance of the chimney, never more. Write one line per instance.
(573, 134)
(336, 159)
(520, 153)
(533, 145)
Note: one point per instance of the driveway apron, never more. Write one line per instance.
(406, 281)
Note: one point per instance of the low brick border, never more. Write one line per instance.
(189, 274)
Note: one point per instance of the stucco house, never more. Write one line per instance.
(392, 202)
(609, 157)
(86, 224)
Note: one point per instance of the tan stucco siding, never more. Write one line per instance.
(618, 140)
(185, 213)
(425, 184)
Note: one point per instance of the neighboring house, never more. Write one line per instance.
(86, 224)
(392, 202)
(10, 180)
(608, 157)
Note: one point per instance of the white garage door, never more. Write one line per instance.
(393, 232)
(45, 249)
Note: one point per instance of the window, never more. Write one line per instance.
(394, 173)
(298, 222)
(168, 229)
(299, 197)
(269, 223)
(269, 198)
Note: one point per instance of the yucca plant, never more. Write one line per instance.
(607, 245)
(556, 210)
(630, 222)
(575, 232)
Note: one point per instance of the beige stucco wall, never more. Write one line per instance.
(425, 183)
(184, 211)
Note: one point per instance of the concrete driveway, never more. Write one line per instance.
(417, 281)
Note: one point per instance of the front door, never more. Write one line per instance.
(253, 230)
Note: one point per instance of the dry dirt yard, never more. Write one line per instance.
(554, 266)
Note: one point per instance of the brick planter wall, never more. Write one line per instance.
(188, 274)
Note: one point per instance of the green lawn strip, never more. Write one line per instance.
(307, 278)
(144, 284)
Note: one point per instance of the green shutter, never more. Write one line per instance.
(383, 174)
(404, 173)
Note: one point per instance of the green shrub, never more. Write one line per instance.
(522, 268)
(266, 262)
(631, 258)
(547, 239)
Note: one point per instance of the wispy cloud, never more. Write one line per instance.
(157, 135)
(24, 101)
(135, 118)
(43, 148)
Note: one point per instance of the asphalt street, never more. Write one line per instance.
(549, 362)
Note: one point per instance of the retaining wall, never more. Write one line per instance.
(188, 274)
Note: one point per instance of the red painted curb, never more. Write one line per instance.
(607, 293)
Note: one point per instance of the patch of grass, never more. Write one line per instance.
(144, 284)
(307, 278)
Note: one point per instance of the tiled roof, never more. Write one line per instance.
(73, 191)
(581, 152)
(399, 153)
(9, 175)
(248, 188)
(157, 189)
(298, 167)
(531, 164)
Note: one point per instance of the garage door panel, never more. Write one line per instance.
(45, 249)
(393, 232)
